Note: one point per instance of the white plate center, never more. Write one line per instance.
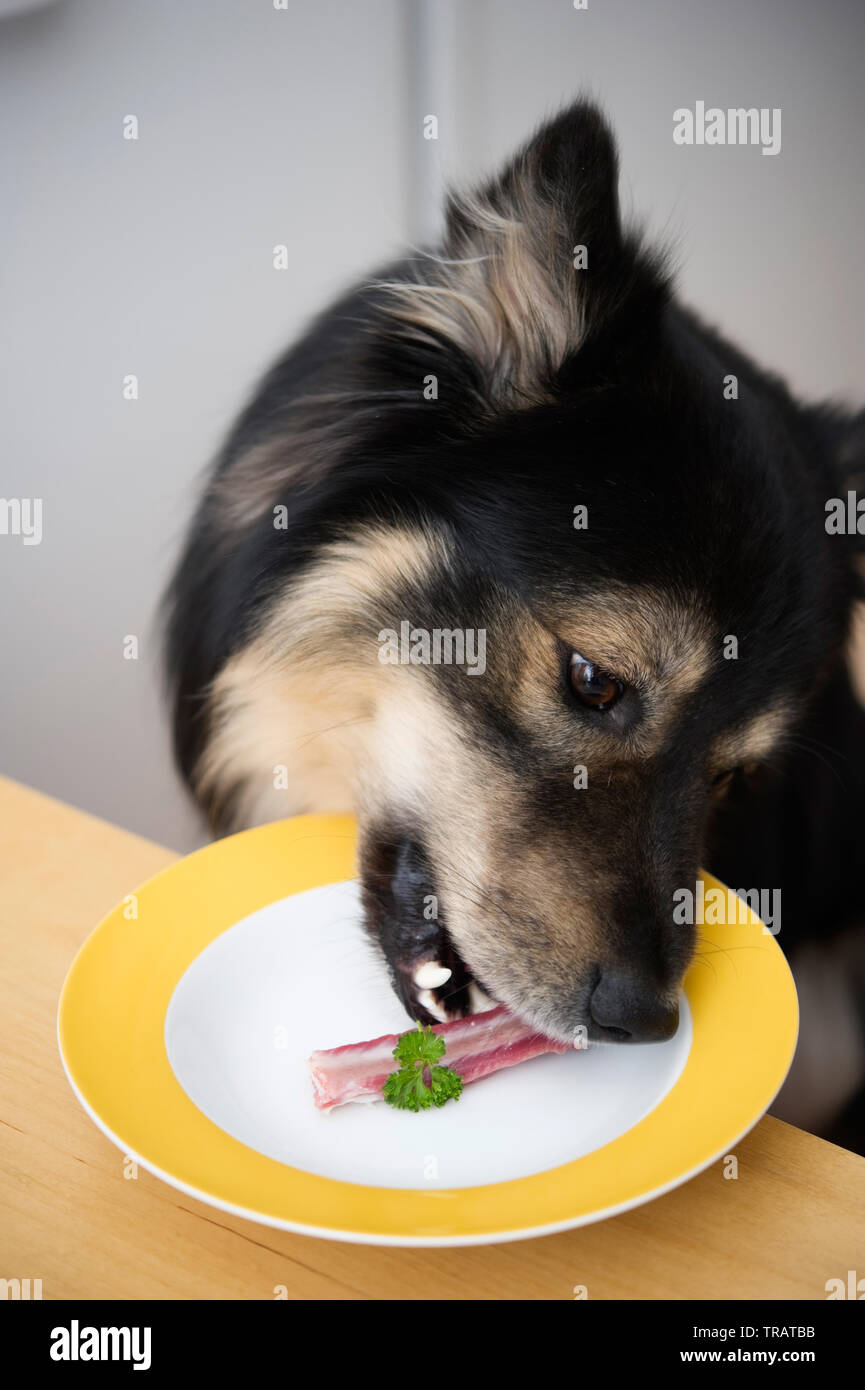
(299, 975)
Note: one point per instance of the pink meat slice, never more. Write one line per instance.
(476, 1046)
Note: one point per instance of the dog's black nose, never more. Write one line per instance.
(622, 1003)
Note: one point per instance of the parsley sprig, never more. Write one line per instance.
(420, 1081)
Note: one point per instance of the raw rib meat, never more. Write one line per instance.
(476, 1046)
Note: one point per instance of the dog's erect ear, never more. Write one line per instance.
(532, 262)
(562, 188)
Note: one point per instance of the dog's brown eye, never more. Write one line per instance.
(592, 686)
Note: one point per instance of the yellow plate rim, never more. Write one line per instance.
(110, 1029)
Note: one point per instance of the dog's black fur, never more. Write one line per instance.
(715, 505)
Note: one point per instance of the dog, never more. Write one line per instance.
(522, 435)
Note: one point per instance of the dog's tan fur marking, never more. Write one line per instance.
(856, 652)
(269, 715)
(245, 490)
(301, 693)
(304, 451)
(754, 741)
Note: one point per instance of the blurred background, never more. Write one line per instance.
(298, 124)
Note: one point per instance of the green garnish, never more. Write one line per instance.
(420, 1081)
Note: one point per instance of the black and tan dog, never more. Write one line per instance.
(522, 446)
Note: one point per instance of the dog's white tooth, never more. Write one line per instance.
(429, 1002)
(431, 974)
(479, 1003)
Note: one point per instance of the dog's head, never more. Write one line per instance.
(628, 512)
(568, 579)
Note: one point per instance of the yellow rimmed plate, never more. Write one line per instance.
(186, 1018)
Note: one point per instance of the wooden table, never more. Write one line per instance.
(793, 1218)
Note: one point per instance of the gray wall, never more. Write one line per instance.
(258, 127)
